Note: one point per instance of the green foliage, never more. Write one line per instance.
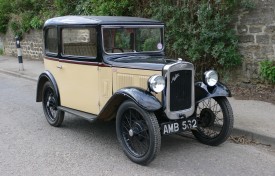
(1, 51)
(267, 71)
(65, 7)
(196, 30)
(25, 21)
(105, 7)
(199, 31)
(23, 15)
(16, 28)
(248, 4)
(36, 23)
(5, 8)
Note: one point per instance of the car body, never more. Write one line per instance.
(106, 67)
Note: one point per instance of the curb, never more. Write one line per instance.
(18, 75)
(262, 139)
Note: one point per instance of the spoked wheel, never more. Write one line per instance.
(138, 133)
(53, 115)
(215, 121)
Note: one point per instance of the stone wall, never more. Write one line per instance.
(32, 44)
(1, 41)
(256, 31)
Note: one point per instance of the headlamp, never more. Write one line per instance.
(156, 83)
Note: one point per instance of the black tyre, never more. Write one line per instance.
(215, 121)
(49, 102)
(138, 133)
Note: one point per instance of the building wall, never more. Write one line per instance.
(256, 31)
(32, 44)
(1, 41)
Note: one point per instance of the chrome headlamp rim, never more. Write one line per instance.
(156, 83)
(210, 78)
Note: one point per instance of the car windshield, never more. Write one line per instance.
(132, 39)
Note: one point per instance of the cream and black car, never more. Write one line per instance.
(106, 67)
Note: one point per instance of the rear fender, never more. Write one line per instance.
(43, 78)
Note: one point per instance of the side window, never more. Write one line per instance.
(79, 42)
(51, 44)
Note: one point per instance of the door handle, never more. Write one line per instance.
(60, 66)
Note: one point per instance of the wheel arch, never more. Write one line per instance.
(141, 97)
(203, 91)
(43, 78)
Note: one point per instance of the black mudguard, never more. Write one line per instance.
(203, 91)
(141, 97)
(43, 78)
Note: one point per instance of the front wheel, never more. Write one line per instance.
(215, 121)
(138, 133)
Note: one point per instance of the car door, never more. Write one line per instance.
(77, 70)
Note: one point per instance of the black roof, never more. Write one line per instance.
(84, 20)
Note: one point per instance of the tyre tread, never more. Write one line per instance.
(149, 157)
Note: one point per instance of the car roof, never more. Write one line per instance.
(98, 20)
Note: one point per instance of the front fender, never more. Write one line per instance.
(203, 91)
(141, 97)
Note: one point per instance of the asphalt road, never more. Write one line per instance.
(29, 146)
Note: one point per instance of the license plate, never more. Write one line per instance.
(178, 125)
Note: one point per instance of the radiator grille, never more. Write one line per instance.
(180, 90)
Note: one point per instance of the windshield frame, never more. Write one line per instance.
(161, 27)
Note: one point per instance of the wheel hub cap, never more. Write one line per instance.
(207, 117)
(131, 133)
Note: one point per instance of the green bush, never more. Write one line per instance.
(196, 30)
(5, 8)
(106, 7)
(1, 51)
(267, 71)
(36, 23)
(199, 31)
(16, 28)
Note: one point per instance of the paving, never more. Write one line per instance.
(253, 119)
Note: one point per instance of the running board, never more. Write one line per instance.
(85, 115)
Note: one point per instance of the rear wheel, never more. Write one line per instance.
(49, 102)
(215, 121)
(138, 133)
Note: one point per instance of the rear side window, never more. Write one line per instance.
(79, 42)
(51, 44)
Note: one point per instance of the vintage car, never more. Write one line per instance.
(107, 67)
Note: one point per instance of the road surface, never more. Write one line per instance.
(29, 146)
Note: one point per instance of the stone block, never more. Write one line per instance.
(246, 39)
(253, 48)
(250, 69)
(270, 29)
(253, 21)
(258, 19)
(273, 39)
(267, 50)
(262, 39)
(242, 29)
(255, 29)
(267, 11)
